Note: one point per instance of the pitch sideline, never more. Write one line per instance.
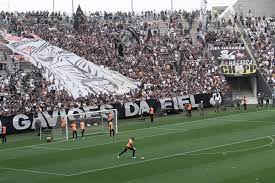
(167, 156)
(133, 163)
(161, 126)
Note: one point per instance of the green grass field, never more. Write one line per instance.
(225, 147)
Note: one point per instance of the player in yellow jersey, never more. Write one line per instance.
(111, 125)
(129, 146)
(82, 127)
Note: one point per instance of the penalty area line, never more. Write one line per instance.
(167, 156)
(172, 131)
(32, 171)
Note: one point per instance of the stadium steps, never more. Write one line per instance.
(193, 31)
(164, 29)
(163, 26)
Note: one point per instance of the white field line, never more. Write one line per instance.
(32, 171)
(29, 146)
(133, 163)
(161, 126)
(95, 145)
(163, 157)
(49, 148)
(240, 150)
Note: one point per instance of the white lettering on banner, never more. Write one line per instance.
(128, 112)
(144, 107)
(193, 102)
(176, 103)
(45, 119)
(236, 62)
(131, 109)
(51, 120)
(104, 107)
(166, 103)
(25, 123)
(227, 48)
(89, 109)
(41, 119)
(182, 100)
(75, 111)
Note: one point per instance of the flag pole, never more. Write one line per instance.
(53, 5)
(73, 6)
(172, 6)
(9, 6)
(132, 5)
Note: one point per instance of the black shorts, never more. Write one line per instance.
(130, 148)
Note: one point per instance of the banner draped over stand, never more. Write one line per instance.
(78, 76)
(26, 122)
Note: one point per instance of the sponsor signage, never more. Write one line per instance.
(238, 69)
(234, 60)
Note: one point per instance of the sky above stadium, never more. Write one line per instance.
(105, 5)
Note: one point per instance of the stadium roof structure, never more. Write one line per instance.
(242, 7)
(257, 7)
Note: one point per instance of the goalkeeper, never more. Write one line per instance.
(129, 146)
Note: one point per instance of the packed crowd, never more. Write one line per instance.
(225, 37)
(152, 59)
(261, 32)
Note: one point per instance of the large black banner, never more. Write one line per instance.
(26, 122)
(233, 60)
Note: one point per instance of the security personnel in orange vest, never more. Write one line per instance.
(189, 109)
(4, 134)
(82, 127)
(151, 113)
(74, 129)
(129, 146)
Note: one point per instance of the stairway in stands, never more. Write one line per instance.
(164, 25)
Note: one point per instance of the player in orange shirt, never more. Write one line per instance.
(63, 126)
(151, 113)
(111, 125)
(82, 127)
(74, 129)
(129, 146)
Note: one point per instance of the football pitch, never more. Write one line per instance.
(225, 147)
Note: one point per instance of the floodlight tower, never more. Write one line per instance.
(73, 6)
(172, 6)
(132, 5)
(9, 6)
(53, 5)
(203, 15)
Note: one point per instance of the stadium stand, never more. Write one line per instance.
(154, 62)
